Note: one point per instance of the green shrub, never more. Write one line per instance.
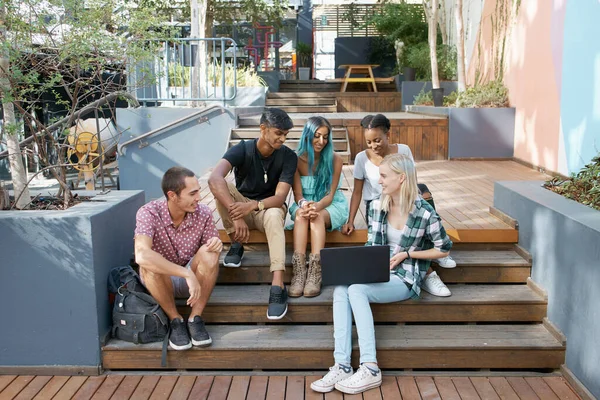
(583, 187)
(450, 99)
(492, 94)
(417, 56)
(423, 98)
(179, 75)
(245, 77)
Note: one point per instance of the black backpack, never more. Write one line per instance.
(136, 316)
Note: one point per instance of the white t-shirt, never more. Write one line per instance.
(368, 172)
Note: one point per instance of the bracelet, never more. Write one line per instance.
(301, 202)
(407, 254)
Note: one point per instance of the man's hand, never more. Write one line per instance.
(397, 259)
(239, 210)
(195, 289)
(242, 233)
(347, 228)
(213, 245)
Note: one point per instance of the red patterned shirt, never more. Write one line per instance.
(178, 245)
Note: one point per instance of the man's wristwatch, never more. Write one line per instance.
(261, 205)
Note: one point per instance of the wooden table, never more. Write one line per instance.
(358, 69)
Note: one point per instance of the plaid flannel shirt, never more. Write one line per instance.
(423, 231)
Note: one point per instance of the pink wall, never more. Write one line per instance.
(530, 74)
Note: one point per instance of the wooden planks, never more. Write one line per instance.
(474, 266)
(468, 303)
(463, 192)
(310, 346)
(297, 387)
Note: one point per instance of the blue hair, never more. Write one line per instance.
(324, 172)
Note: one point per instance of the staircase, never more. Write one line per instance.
(303, 102)
(494, 320)
(249, 128)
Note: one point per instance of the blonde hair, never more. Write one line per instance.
(409, 191)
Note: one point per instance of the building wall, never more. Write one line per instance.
(551, 66)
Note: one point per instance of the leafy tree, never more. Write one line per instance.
(68, 53)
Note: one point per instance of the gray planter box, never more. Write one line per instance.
(563, 238)
(55, 309)
(476, 132)
(245, 96)
(412, 88)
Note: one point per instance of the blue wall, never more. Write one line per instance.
(563, 238)
(580, 87)
(197, 144)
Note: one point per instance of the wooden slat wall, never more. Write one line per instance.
(369, 102)
(427, 138)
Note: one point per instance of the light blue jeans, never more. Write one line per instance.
(355, 299)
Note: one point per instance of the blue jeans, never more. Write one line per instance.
(355, 299)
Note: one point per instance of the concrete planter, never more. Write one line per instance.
(53, 282)
(563, 238)
(303, 73)
(245, 96)
(412, 88)
(476, 132)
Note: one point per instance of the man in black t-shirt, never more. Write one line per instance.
(264, 173)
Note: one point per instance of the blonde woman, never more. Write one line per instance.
(414, 232)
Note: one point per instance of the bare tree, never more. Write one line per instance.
(442, 22)
(10, 127)
(431, 11)
(460, 46)
(199, 9)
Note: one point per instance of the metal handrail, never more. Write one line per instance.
(170, 125)
(77, 114)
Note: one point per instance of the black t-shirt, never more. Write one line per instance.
(279, 166)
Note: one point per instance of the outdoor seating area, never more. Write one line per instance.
(322, 200)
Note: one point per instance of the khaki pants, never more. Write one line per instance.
(270, 221)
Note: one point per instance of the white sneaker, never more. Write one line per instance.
(434, 285)
(446, 262)
(327, 383)
(364, 379)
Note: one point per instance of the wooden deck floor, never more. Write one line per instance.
(278, 387)
(463, 192)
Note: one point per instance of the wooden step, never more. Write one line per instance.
(301, 101)
(473, 266)
(249, 121)
(301, 95)
(468, 303)
(309, 109)
(285, 347)
(338, 145)
(294, 133)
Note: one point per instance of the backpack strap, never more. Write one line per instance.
(165, 345)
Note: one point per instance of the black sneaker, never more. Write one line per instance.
(277, 303)
(179, 339)
(234, 255)
(200, 336)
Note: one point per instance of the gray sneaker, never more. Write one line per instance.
(179, 339)
(200, 336)
(277, 303)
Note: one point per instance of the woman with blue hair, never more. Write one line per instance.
(319, 204)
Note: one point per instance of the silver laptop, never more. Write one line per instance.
(356, 264)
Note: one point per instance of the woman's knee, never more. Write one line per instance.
(340, 293)
(357, 290)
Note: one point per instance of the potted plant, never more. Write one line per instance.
(304, 54)
(243, 86)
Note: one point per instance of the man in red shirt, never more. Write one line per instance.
(177, 247)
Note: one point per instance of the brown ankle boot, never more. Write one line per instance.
(298, 275)
(313, 279)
